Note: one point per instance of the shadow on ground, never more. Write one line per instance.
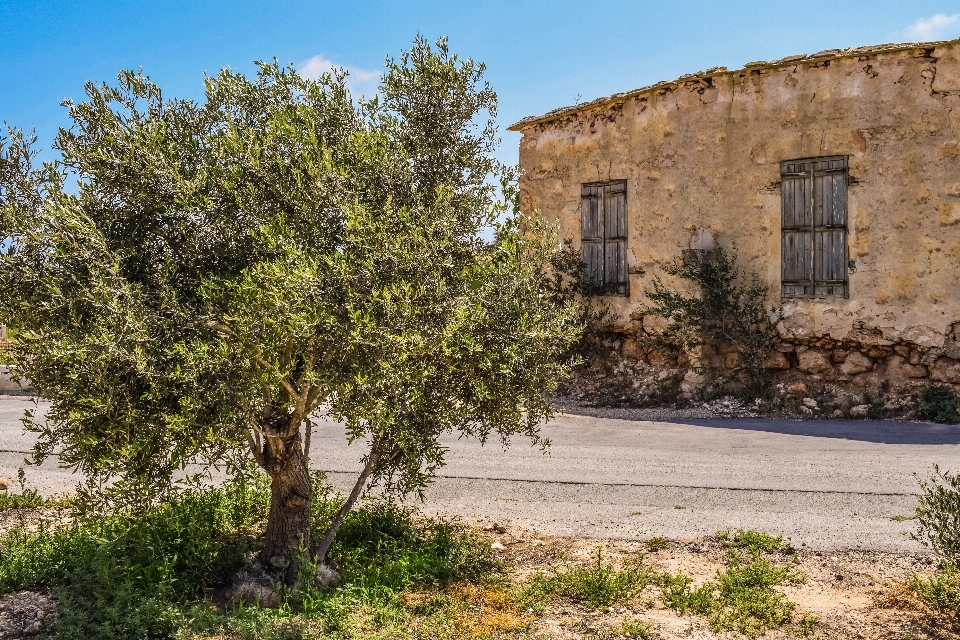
(878, 431)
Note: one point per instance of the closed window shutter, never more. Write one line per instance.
(603, 235)
(615, 237)
(814, 227)
(591, 233)
(830, 227)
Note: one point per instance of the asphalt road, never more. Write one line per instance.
(823, 484)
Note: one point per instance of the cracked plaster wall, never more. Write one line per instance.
(704, 154)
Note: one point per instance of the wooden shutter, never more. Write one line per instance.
(603, 235)
(814, 227)
(830, 227)
(797, 238)
(591, 232)
(615, 237)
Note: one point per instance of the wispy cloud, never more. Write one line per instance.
(361, 82)
(938, 27)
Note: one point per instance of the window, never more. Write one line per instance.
(814, 227)
(603, 224)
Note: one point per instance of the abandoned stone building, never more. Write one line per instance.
(836, 175)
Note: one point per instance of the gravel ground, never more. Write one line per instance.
(27, 613)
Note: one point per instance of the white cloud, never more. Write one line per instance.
(360, 81)
(938, 27)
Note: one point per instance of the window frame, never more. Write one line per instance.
(609, 246)
(823, 229)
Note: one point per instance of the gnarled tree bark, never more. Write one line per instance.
(288, 524)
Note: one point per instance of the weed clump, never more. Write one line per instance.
(29, 498)
(752, 541)
(940, 403)
(596, 586)
(938, 527)
(741, 598)
(658, 543)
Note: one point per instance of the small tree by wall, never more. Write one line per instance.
(729, 308)
(227, 267)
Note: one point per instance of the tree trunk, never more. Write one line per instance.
(288, 525)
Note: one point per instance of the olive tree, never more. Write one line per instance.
(225, 268)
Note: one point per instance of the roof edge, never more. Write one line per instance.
(828, 54)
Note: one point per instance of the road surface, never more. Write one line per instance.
(823, 484)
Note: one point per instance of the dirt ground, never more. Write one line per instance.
(854, 594)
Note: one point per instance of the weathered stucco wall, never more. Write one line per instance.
(703, 152)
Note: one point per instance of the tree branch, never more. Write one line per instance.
(254, 447)
(259, 358)
(321, 554)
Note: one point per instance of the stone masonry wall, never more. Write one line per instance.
(703, 153)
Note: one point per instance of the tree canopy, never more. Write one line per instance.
(227, 267)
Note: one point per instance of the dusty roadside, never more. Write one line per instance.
(851, 594)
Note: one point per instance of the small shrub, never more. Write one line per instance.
(596, 586)
(806, 625)
(752, 541)
(940, 403)
(941, 591)
(385, 546)
(938, 527)
(675, 590)
(938, 515)
(728, 309)
(741, 598)
(658, 543)
(634, 629)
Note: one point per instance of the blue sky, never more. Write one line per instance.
(540, 55)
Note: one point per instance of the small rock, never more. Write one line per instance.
(806, 410)
(5, 483)
(497, 545)
(327, 577)
(810, 403)
(797, 389)
(33, 628)
(856, 363)
(837, 413)
(813, 362)
(859, 411)
(777, 360)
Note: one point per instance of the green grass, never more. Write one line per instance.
(125, 576)
(597, 585)
(28, 499)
